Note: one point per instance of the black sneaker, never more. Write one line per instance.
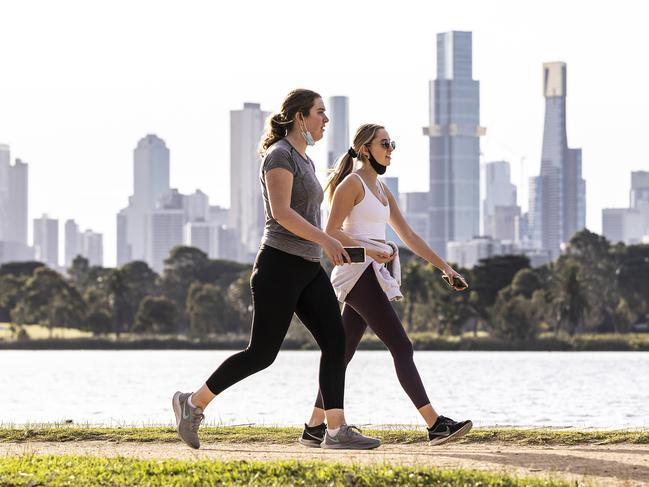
(313, 435)
(445, 429)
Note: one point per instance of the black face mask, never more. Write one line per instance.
(379, 168)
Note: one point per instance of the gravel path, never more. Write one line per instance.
(601, 465)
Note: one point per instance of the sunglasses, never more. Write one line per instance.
(388, 144)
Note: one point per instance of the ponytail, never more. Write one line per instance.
(276, 128)
(280, 124)
(343, 168)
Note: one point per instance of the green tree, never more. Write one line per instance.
(79, 273)
(11, 291)
(512, 318)
(130, 284)
(184, 266)
(491, 275)
(597, 263)
(570, 299)
(99, 322)
(50, 299)
(526, 282)
(449, 310)
(20, 269)
(414, 287)
(239, 299)
(632, 279)
(156, 314)
(208, 310)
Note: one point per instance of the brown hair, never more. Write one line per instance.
(279, 124)
(364, 136)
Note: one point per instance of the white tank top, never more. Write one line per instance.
(369, 217)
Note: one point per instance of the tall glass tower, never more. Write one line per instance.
(454, 132)
(560, 208)
(338, 138)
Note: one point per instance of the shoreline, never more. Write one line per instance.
(421, 342)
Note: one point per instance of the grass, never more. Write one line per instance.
(288, 435)
(73, 339)
(88, 471)
(40, 332)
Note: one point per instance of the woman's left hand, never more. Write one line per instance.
(452, 274)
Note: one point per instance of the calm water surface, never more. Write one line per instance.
(581, 389)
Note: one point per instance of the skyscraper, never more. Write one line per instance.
(150, 181)
(5, 161)
(72, 242)
(13, 198)
(338, 129)
(13, 208)
(630, 225)
(499, 208)
(92, 247)
(246, 204)
(87, 244)
(454, 138)
(198, 206)
(560, 209)
(639, 195)
(165, 225)
(46, 240)
(393, 185)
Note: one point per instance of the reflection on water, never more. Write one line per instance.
(583, 389)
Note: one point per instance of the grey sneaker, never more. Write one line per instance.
(349, 438)
(188, 419)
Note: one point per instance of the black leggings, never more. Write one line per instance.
(283, 284)
(367, 304)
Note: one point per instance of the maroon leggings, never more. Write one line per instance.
(365, 305)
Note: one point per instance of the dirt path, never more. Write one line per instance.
(600, 465)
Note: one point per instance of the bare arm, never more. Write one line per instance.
(279, 184)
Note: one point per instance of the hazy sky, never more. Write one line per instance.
(82, 81)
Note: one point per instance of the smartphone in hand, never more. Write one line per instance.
(458, 283)
(356, 254)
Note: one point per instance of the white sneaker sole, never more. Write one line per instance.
(175, 404)
(309, 443)
(342, 446)
(458, 434)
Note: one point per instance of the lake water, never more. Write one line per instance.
(579, 389)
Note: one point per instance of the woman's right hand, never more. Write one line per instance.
(335, 251)
(379, 256)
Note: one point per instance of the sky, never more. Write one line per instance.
(81, 82)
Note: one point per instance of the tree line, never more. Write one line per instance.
(594, 287)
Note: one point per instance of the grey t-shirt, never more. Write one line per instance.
(306, 198)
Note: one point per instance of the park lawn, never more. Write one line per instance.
(88, 471)
(39, 332)
(288, 435)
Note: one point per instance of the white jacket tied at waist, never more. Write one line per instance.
(344, 277)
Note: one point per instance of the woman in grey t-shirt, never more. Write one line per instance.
(287, 277)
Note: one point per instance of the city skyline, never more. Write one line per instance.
(100, 97)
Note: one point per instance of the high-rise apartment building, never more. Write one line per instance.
(246, 204)
(499, 208)
(46, 240)
(151, 163)
(337, 129)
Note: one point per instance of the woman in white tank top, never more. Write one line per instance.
(361, 207)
